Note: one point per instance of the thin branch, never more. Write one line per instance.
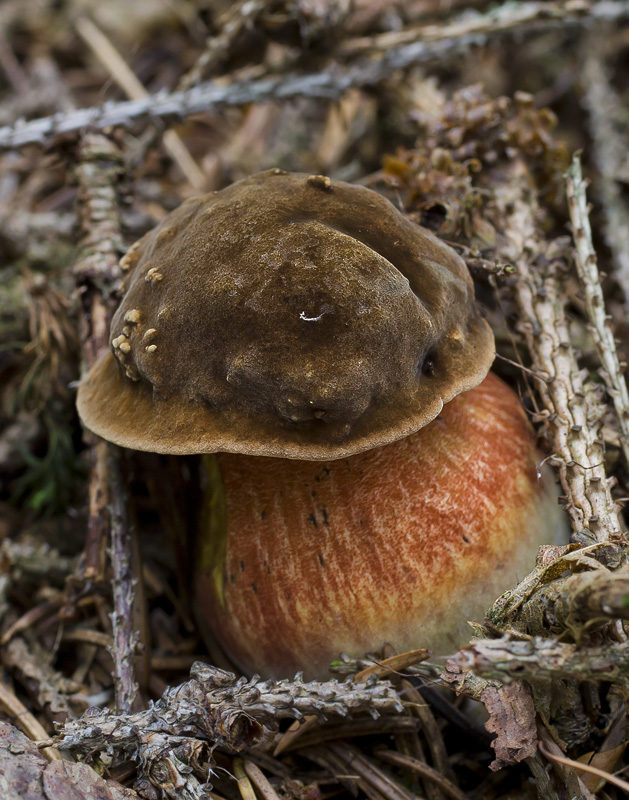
(213, 708)
(97, 276)
(572, 410)
(587, 268)
(610, 153)
(123, 589)
(328, 84)
(508, 659)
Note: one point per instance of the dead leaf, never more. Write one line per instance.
(512, 719)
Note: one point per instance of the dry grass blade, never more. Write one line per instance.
(295, 731)
(244, 784)
(113, 62)
(578, 765)
(420, 708)
(260, 781)
(397, 663)
(25, 721)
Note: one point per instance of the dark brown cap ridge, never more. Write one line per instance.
(286, 315)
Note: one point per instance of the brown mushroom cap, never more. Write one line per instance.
(288, 316)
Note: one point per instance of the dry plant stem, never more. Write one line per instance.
(543, 658)
(587, 268)
(426, 772)
(113, 62)
(330, 84)
(573, 416)
(610, 151)
(123, 585)
(97, 277)
(578, 765)
(574, 787)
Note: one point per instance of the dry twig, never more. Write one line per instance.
(572, 411)
(327, 84)
(539, 657)
(587, 268)
(213, 708)
(610, 151)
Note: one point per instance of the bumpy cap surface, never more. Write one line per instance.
(286, 315)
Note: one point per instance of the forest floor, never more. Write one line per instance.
(477, 120)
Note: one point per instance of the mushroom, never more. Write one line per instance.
(295, 317)
(286, 315)
(398, 545)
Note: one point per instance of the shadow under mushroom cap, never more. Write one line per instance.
(288, 316)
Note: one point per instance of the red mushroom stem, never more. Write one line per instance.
(401, 544)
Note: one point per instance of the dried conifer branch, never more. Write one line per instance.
(610, 151)
(587, 268)
(219, 708)
(172, 740)
(582, 603)
(97, 276)
(328, 84)
(509, 659)
(572, 410)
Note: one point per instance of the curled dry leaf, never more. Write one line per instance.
(512, 719)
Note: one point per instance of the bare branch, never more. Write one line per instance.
(509, 659)
(610, 152)
(176, 735)
(572, 409)
(328, 84)
(97, 275)
(589, 277)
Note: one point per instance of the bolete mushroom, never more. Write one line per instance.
(289, 316)
(295, 317)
